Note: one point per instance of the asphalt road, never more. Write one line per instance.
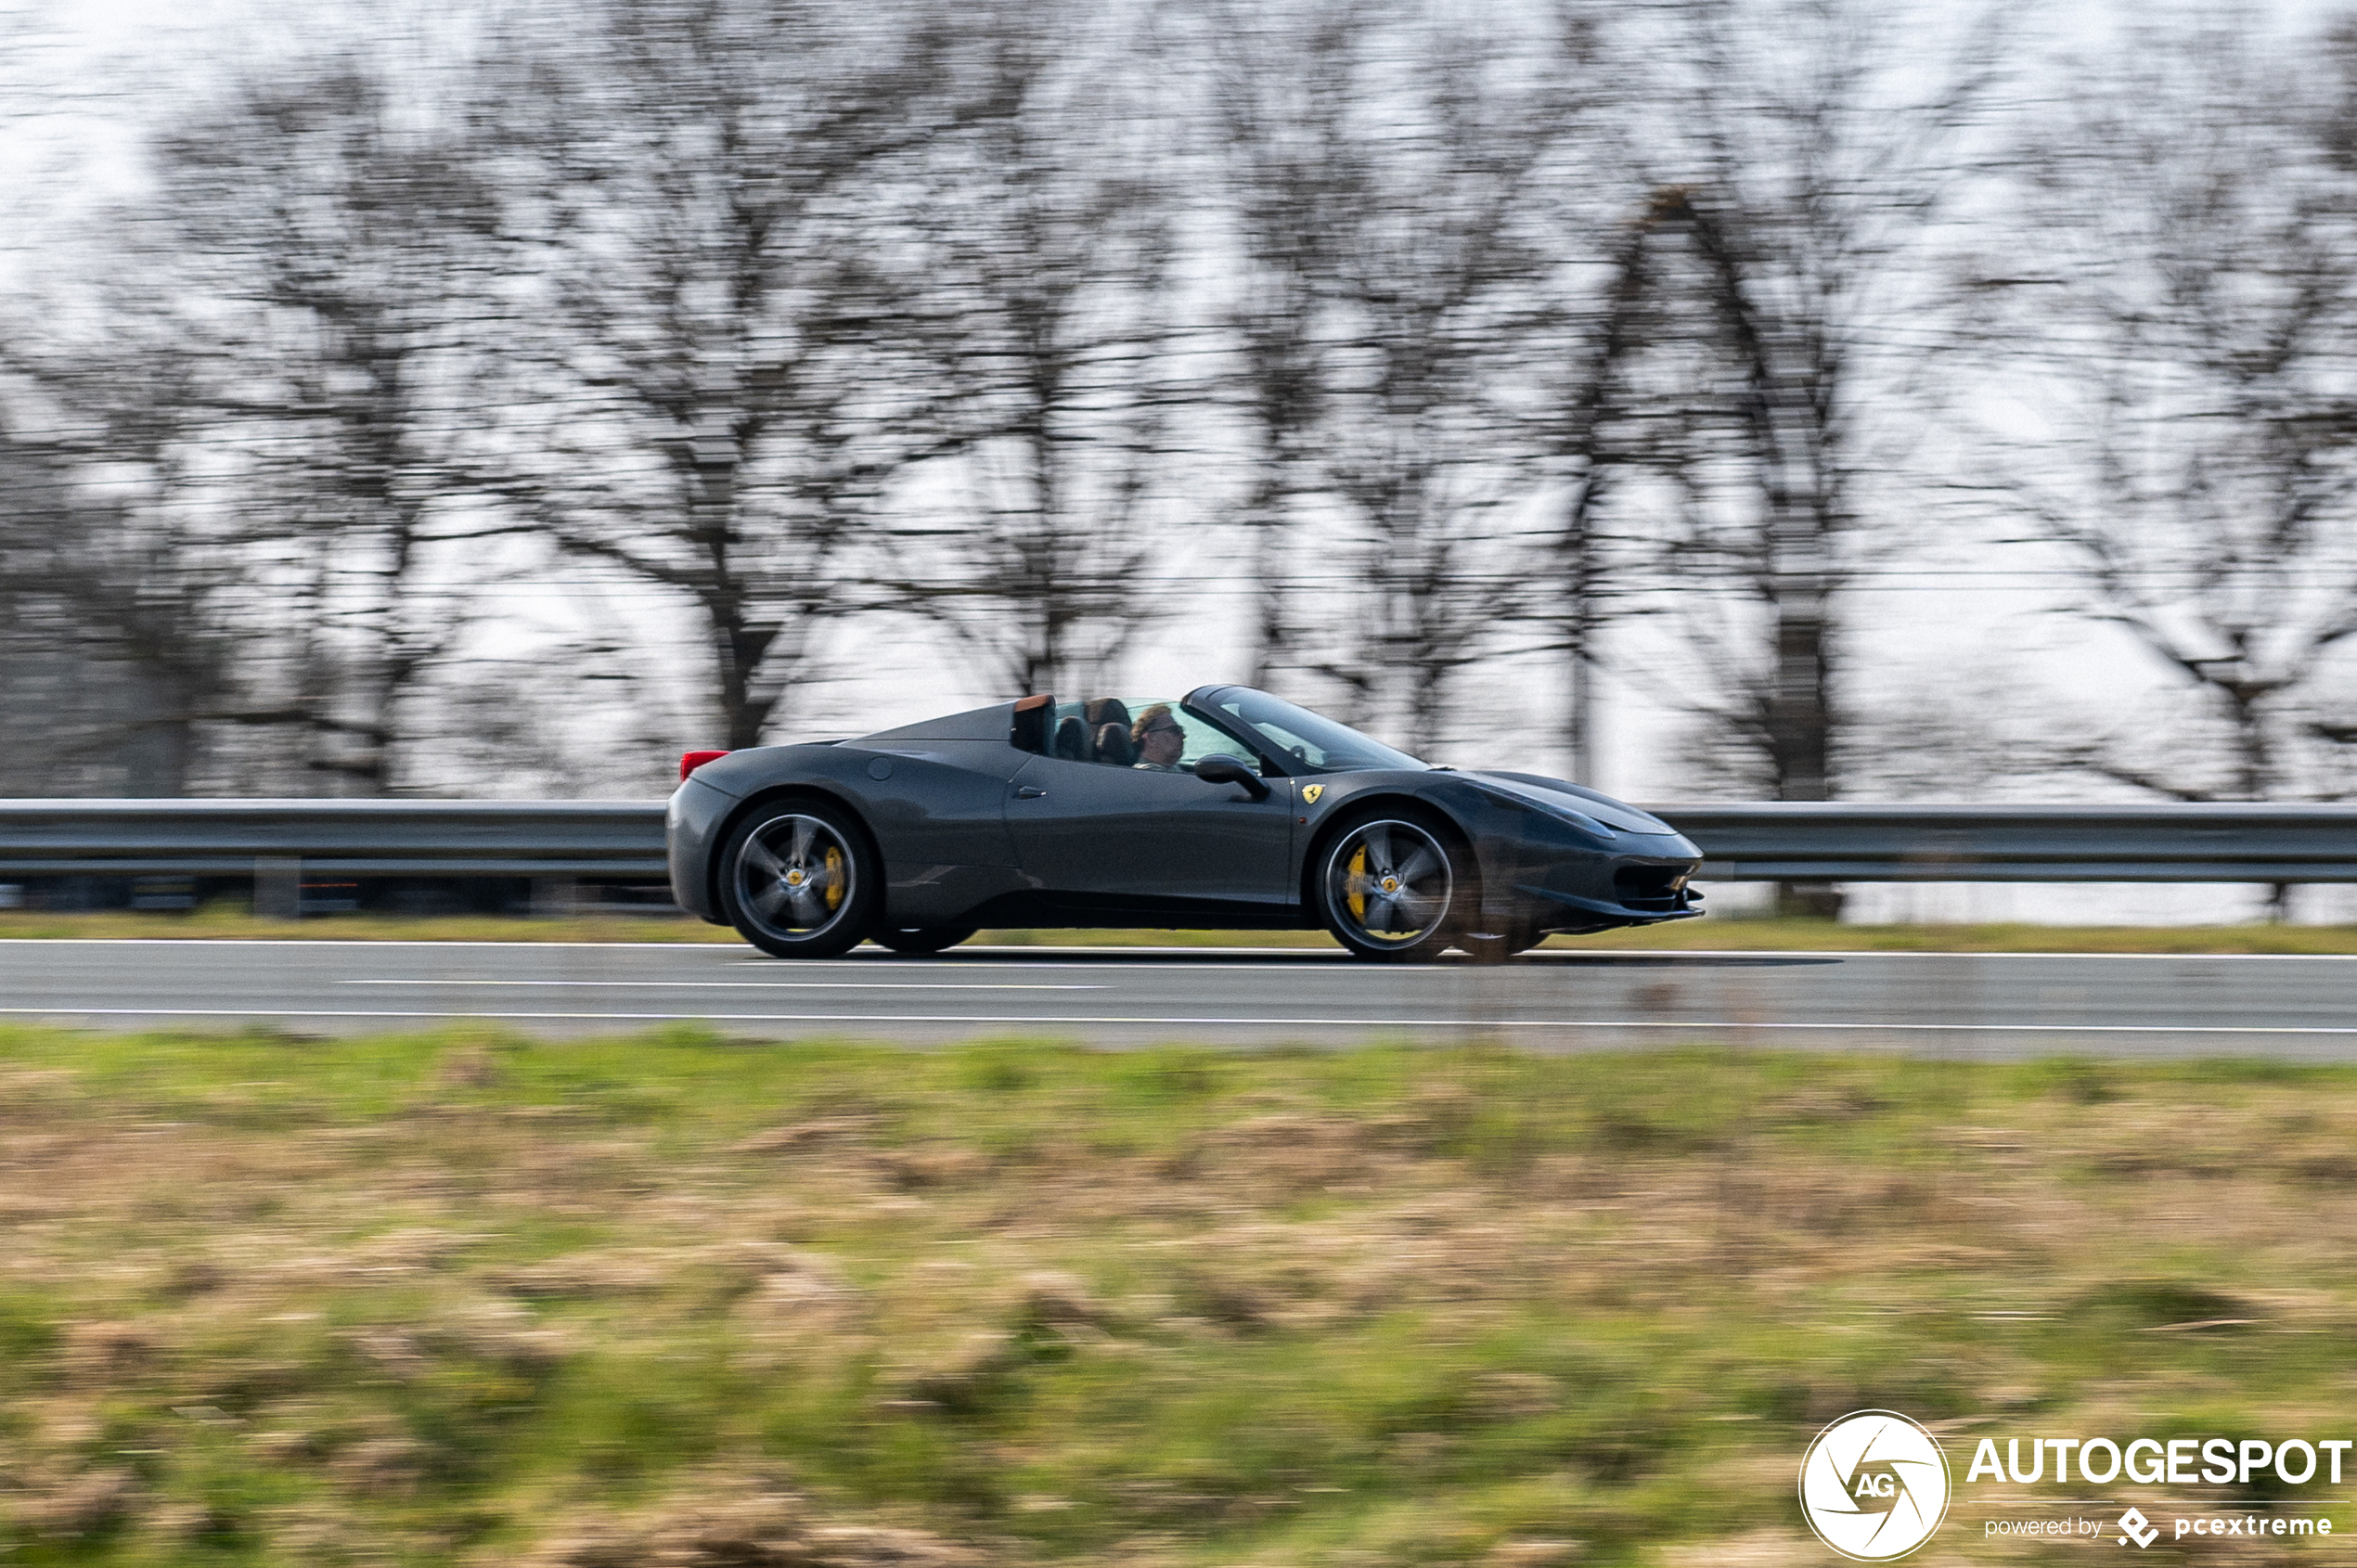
(1978, 1005)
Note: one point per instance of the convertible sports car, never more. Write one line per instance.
(1227, 808)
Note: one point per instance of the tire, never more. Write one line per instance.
(919, 939)
(1394, 886)
(799, 881)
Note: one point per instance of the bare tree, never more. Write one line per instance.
(128, 612)
(1812, 151)
(1047, 252)
(1801, 153)
(723, 378)
(1609, 428)
(241, 418)
(1407, 331)
(2187, 341)
(1278, 131)
(317, 243)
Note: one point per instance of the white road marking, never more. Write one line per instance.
(750, 984)
(1178, 1021)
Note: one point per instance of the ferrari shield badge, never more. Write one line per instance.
(1310, 793)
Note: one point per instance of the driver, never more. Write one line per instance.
(1159, 740)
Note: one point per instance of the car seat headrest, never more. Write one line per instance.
(1114, 745)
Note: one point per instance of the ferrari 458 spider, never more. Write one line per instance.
(1227, 808)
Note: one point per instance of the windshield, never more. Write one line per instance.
(1318, 744)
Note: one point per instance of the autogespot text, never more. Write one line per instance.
(2148, 1462)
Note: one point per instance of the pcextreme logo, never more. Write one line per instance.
(1873, 1485)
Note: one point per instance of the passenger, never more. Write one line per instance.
(1113, 746)
(1159, 740)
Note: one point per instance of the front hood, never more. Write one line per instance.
(1553, 794)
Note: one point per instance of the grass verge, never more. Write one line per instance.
(461, 1297)
(228, 924)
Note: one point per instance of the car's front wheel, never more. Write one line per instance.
(798, 880)
(1394, 887)
(919, 939)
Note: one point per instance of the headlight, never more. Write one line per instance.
(1584, 824)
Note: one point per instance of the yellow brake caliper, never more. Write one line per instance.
(834, 877)
(1358, 885)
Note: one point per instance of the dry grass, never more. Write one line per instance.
(678, 1300)
(225, 923)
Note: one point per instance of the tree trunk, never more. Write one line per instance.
(1268, 636)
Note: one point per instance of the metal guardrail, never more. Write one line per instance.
(1773, 842)
(1842, 841)
(579, 839)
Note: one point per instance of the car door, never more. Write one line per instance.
(1112, 835)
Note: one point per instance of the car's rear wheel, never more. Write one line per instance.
(1394, 887)
(798, 880)
(919, 939)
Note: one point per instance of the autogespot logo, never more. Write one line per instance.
(1873, 1485)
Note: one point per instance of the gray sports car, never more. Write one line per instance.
(1227, 808)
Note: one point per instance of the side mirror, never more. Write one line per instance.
(1229, 770)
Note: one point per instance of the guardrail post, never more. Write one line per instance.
(278, 887)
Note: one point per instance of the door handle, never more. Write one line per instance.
(1030, 792)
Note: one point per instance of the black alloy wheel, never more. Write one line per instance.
(1393, 888)
(798, 880)
(919, 939)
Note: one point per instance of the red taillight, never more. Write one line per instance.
(690, 761)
